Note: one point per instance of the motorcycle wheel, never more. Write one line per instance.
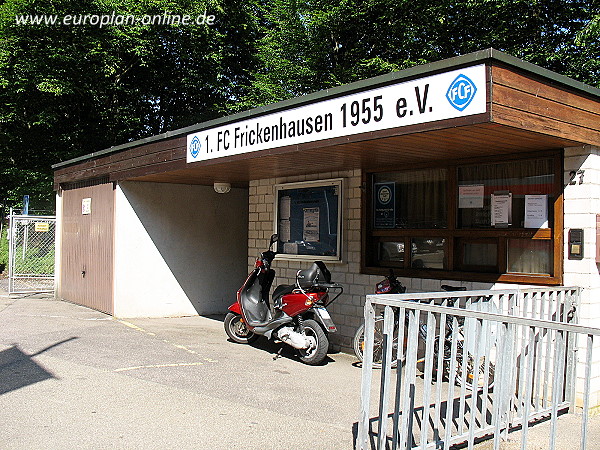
(359, 344)
(237, 331)
(318, 353)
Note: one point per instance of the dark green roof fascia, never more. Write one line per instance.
(469, 59)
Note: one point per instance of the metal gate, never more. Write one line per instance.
(31, 254)
(514, 352)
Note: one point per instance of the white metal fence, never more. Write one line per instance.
(507, 359)
(31, 254)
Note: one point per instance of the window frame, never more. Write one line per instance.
(452, 233)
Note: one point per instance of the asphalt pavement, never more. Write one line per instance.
(75, 378)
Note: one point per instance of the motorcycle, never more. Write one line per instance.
(296, 314)
(389, 285)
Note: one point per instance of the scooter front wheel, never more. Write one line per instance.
(315, 355)
(237, 331)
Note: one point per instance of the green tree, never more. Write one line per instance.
(310, 45)
(66, 91)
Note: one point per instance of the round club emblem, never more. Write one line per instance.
(385, 195)
(195, 147)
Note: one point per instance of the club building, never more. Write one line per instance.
(481, 170)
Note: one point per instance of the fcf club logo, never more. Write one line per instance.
(385, 195)
(195, 147)
(461, 92)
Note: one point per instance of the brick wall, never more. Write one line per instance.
(347, 311)
(581, 204)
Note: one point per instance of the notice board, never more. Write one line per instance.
(308, 219)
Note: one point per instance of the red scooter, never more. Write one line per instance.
(296, 315)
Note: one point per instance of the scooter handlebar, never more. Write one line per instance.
(269, 255)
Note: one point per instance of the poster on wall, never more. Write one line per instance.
(470, 196)
(311, 224)
(536, 211)
(385, 205)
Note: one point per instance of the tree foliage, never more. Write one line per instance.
(71, 90)
(315, 44)
(66, 91)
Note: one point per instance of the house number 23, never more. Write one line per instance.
(573, 174)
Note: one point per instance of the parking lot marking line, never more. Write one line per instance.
(157, 366)
(63, 317)
(182, 347)
(130, 325)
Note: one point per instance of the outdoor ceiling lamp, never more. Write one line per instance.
(222, 188)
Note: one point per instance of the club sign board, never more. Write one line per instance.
(442, 96)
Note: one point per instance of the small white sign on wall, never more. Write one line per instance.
(86, 206)
(471, 196)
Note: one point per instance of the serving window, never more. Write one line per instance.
(484, 220)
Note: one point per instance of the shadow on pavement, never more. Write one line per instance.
(18, 369)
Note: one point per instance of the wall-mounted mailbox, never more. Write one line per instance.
(575, 243)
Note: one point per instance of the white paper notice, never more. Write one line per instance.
(285, 206)
(284, 230)
(86, 206)
(536, 211)
(291, 248)
(470, 196)
(311, 224)
(501, 204)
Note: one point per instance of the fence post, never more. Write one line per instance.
(586, 390)
(367, 375)
(388, 338)
(11, 239)
(400, 373)
(572, 348)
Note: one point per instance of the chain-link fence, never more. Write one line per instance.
(31, 254)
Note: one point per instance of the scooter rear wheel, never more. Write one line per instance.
(317, 354)
(237, 331)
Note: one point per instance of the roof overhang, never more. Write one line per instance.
(527, 109)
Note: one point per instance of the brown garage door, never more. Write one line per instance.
(86, 272)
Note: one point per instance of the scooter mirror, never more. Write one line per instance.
(274, 238)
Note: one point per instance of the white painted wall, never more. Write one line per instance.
(581, 204)
(179, 249)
